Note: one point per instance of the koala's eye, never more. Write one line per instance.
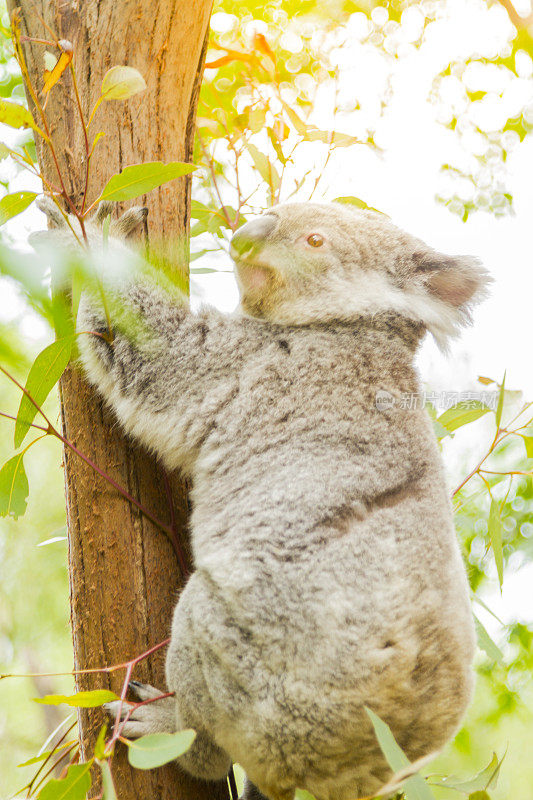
(315, 240)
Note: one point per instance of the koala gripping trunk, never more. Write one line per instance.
(124, 577)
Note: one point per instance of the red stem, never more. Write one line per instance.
(47, 759)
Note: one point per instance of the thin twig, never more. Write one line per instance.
(215, 183)
(90, 670)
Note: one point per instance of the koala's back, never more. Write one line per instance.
(328, 574)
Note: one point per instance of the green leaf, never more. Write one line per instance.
(142, 178)
(299, 125)
(264, 167)
(415, 788)
(439, 430)
(74, 786)
(301, 794)
(486, 643)
(528, 442)
(80, 700)
(17, 116)
(157, 749)
(120, 83)
(500, 402)
(99, 745)
(462, 414)
(480, 602)
(392, 751)
(312, 134)
(99, 135)
(14, 488)
(479, 782)
(43, 376)
(15, 203)
(495, 535)
(256, 120)
(108, 786)
(358, 203)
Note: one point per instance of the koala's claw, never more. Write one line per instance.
(156, 717)
(143, 690)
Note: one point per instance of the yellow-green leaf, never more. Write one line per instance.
(142, 178)
(99, 745)
(43, 756)
(96, 139)
(528, 442)
(462, 414)
(500, 402)
(74, 786)
(486, 643)
(298, 123)
(479, 782)
(120, 83)
(358, 203)
(495, 535)
(14, 488)
(157, 749)
(80, 700)
(16, 116)
(43, 375)
(264, 167)
(15, 203)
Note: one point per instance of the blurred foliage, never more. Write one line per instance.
(287, 84)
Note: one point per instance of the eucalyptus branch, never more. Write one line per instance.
(517, 20)
(500, 435)
(32, 424)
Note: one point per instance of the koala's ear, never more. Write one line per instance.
(129, 223)
(45, 204)
(105, 209)
(459, 281)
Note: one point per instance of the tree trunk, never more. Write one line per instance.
(124, 577)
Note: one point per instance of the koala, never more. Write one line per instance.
(327, 576)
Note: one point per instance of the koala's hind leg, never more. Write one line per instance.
(251, 792)
(204, 759)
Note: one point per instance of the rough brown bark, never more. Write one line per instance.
(124, 577)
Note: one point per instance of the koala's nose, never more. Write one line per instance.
(251, 237)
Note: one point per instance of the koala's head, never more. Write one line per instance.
(304, 263)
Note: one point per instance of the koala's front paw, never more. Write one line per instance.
(158, 716)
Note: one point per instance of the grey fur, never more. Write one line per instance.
(327, 572)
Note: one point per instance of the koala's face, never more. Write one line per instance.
(302, 263)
